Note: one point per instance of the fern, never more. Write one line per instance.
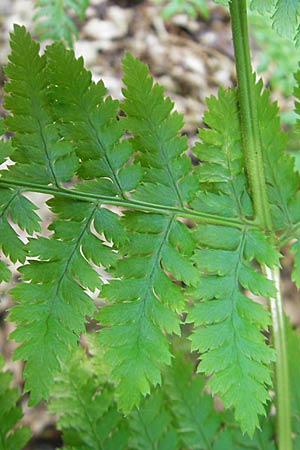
(41, 155)
(151, 425)
(198, 422)
(295, 247)
(144, 301)
(88, 417)
(11, 438)
(49, 335)
(190, 7)
(54, 21)
(228, 322)
(285, 16)
(86, 414)
(152, 268)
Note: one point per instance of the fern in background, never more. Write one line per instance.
(190, 7)
(12, 437)
(179, 416)
(54, 18)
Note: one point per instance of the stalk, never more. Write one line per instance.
(248, 113)
(128, 203)
(255, 171)
(281, 366)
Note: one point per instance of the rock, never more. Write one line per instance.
(194, 63)
(104, 30)
(87, 49)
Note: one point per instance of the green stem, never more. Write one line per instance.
(282, 373)
(128, 203)
(248, 113)
(255, 172)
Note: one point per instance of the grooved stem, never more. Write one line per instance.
(248, 113)
(255, 172)
(282, 387)
(128, 203)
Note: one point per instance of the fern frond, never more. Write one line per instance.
(151, 425)
(155, 128)
(5, 145)
(16, 208)
(86, 413)
(282, 185)
(285, 16)
(40, 154)
(89, 123)
(228, 323)
(228, 327)
(145, 301)
(231, 438)
(293, 203)
(198, 422)
(54, 19)
(189, 7)
(263, 7)
(223, 181)
(53, 306)
(11, 438)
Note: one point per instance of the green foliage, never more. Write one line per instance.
(285, 16)
(194, 411)
(54, 18)
(189, 7)
(50, 334)
(183, 246)
(293, 346)
(278, 56)
(11, 437)
(295, 247)
(227, 321)
(86, 413)
(145, 299)
(179, 416)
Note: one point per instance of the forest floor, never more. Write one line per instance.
(191, 58)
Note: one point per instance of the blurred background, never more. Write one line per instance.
(188, 47)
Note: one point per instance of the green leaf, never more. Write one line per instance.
(151, 425)
(52, 308)
(90, 124)
(144, 302)
(285, 16)
(231, 438)
(228, 331)
(197, 420)
(282, 185)
(12, 436)
(54, 21)
(21, 211)
(87, 416)
(4, 272)
(227, 324)
(189, 7)
(39, 152)
(295, 249)
(262, 6)
(155, 127)
(224, 187)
